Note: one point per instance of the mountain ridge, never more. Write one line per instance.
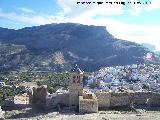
(59, 46)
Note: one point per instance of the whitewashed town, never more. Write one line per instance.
(142, 77)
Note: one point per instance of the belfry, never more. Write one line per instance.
(75, 86)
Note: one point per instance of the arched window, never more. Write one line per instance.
(78, 77)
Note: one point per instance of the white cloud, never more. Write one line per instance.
(71, 9)
(31, 19)
(155, 4)
(21, 18)
(26, 10)
(136, 9)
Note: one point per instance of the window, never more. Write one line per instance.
(74, 80)
(78, 77)
(74, 77)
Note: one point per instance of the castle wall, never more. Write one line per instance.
(88, 105)
(103, 99)
(62, 99)
(73, 99)
(39, 101)
(110, 99)
(140, 98)
(119, 99)
(146, 98)
(155, 99)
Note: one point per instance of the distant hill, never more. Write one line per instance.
(59, 46)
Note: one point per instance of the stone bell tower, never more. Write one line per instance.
(75, 86)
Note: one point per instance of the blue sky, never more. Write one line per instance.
(138, 23)
(28, 8)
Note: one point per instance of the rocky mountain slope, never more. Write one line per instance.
(58, 46)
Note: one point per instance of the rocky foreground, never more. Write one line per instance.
(139, 114)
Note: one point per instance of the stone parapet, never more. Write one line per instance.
(88, 104)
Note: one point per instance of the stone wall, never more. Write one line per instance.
(62, 99)
(146, 98)
(140, 98)
(88, 105)
(39, 100)
(111, 99)
(119, 99)
(155, 99)
(103, 99)
(42, 100)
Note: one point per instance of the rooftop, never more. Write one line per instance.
(76, 69)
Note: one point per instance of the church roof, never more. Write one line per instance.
(76, 69)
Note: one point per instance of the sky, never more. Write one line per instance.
(134, 22)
